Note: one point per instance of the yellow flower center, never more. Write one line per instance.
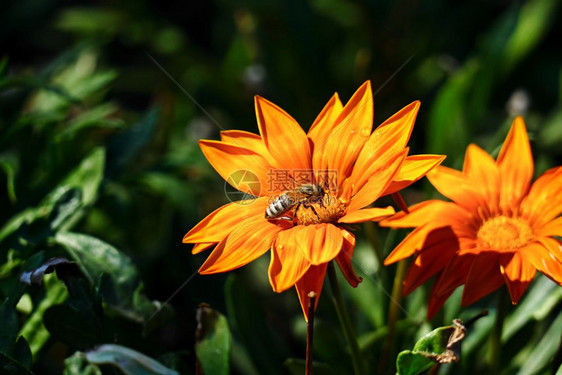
(505, 233)
(327, 211)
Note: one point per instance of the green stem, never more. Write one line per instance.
(393, 314)
(345, 321)
(496, 337)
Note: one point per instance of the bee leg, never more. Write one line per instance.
(314, 210)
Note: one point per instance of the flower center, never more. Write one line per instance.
(505, 233)
(329, 210)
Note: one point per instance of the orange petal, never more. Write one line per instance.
(552, 228)
(367, 214)
(218, 224)
(518, 274)
(321, 129)
(353, 128)
(311, 282)
(319, 243)
(376, 184)
(244, 169)
(481, 167)
(430, 211)
(483, 278)
(515, 163)
(245, 139)
(544, 201)
(288, 263)
(200, 247)
(388, 139)
(552, 245)
(413, 243)
(458, 187)
(284, 138)
(438, 248)
(413, 169)
(345, 258)
(544, 261)
(250, 240)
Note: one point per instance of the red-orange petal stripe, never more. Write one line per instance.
(321, 129)
(483, 278)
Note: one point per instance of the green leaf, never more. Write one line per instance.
(542, 353)
(34, 329)
(430, 349)
(213, 342)
(129, 361)
(9, 163)
(65, 205)
(78, 364)
(97, 117)
(538, 301)
(120, 282)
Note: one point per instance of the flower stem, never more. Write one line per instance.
(393, 312)
(345, 321)
(496, 337)
(310, 332)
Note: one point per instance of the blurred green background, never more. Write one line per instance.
(103, 91)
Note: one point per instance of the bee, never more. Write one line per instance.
(304, 195)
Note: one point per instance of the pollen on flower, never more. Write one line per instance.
(329, 211)
(505, 233)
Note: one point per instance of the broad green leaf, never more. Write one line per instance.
(129, 361)
(34, 329)
(121, 281)
(213, 342)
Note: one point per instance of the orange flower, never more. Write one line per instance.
(498, 229)
(339, 153)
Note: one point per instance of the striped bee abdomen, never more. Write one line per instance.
(279, 206)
